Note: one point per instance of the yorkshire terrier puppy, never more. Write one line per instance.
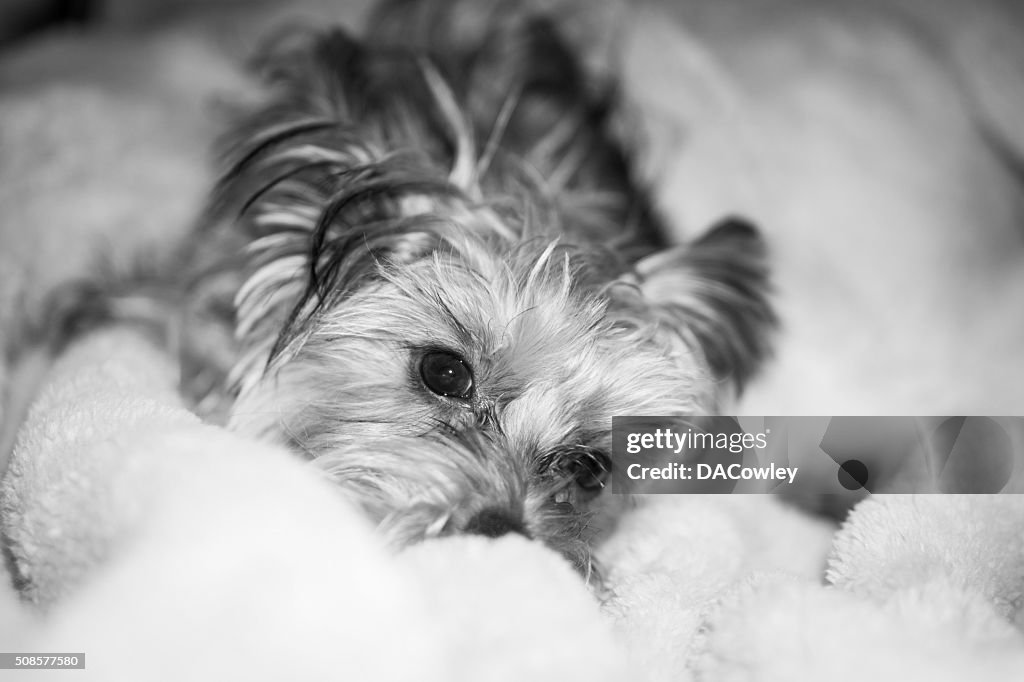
(427, 269)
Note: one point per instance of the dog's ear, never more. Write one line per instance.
(711, 295)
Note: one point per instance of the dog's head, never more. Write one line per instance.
(448, 329)
(472, 387)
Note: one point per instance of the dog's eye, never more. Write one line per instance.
(591, 470)
(446, 374)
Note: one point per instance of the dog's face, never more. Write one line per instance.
(471, 388)
(449, 333)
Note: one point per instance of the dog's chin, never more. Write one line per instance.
(417, 489)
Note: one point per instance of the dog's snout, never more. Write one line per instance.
(494, 523)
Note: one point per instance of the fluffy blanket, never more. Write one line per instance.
(166, 549)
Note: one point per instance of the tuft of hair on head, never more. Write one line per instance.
(529, 99)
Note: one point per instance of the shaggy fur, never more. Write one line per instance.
(446, 188)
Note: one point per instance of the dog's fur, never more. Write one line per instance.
(447, 188)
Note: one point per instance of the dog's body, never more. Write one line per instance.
(427, 268)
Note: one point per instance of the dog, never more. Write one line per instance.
(428, 269)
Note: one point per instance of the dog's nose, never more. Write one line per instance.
(494, 523)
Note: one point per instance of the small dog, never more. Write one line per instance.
(427, 269)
